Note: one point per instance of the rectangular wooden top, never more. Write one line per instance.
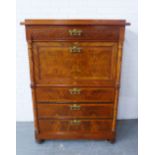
(109, 22)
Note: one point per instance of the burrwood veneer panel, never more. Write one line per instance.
(74, 94)
(58, 63)
(75, 110)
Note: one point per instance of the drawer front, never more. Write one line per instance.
(74, 94)
(70, 63)
(74, 126)
(107, 33)
(62, 111)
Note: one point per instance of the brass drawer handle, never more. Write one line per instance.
(75, 49)
(75, 32)
(75, 122)
(74, 91)
(75, 107)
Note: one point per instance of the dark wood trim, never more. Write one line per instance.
(112, 22)
(32, 77)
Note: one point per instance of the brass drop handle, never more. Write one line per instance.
(75, 49)
(75, 122)
(75, 32)
(75, 107)
(74, 91)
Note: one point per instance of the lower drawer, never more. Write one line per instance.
(62, 111)
(74, 126)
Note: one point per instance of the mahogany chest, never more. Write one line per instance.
(75, 70)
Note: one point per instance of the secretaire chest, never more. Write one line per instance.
(75, 70)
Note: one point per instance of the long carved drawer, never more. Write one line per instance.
(74, 33)
(75, 126)
(62, 111)
(74, 94)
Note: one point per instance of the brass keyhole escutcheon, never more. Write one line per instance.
(75, 122)
(75, 32)
(75, 49)
(74, 91)
(75, 107)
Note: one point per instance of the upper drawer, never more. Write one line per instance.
(74, 94)
(106, 33)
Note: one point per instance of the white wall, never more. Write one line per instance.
(70, 9)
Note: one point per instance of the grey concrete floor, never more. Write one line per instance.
(126, 143)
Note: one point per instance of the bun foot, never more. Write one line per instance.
(39, 141)
(112, 141)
